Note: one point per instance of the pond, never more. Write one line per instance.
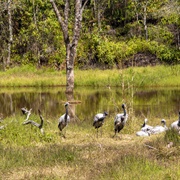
(87, 101)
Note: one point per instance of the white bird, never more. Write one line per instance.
(99, 120)
(120, 120)
(159, 129)
(143, 133)
(176, 125)
(145, 127)
(64, 119)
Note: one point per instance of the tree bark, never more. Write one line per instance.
(145, 21)
(71, 46)
(10, 33)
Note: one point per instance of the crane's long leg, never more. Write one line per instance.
(101, 131)
(114, 134)
(97, 132)
(62, 135)
(120, 136)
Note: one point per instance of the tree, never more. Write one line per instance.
(70, 42)
(10, 32)
(6, 37)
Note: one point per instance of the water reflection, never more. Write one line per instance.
(87, 101)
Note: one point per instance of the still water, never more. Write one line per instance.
(85, 102)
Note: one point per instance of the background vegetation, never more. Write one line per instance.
(28, 76)
(113, 30)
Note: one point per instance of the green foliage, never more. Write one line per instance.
(172, 136)
(38, 39)
(15, 133)
(110, 52)
(160, 34)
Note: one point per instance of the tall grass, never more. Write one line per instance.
(28, 154)
(137, 76)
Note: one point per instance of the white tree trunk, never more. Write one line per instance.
(10, 33)
(71, 46)
(145, 21)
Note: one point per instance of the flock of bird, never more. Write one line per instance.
(119, 123)
(99, 119)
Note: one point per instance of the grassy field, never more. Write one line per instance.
(137, 76)
(27, 154)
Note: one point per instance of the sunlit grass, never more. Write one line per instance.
(26, 153)
(136, 76)
(134, 167)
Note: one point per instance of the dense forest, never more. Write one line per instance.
(114, 33)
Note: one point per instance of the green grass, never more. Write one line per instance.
(27, 154)
(137, 76)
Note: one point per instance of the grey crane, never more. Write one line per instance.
(176, 125)
(143, 133)
(120, 120)
(145, 127)
(99, 120)
(64, 119)
(159, 129)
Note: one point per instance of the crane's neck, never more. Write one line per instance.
(144, 124)
(164, 124)
(124, 109)
(66, 114)
(179, 120)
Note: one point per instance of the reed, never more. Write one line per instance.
(136, 76)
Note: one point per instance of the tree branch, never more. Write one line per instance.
(25, 111)
(77, 24)
(150, 147)
(82, 8)
(27, 121)
(63, 24)
(66, 12)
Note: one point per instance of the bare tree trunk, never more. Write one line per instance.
(71, 46)
(98, 6)
(70, 99)
(145, 21)
(10, 33)
(136, 10)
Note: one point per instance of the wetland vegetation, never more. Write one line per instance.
(114, 35)
(27, 154)
(29, 75)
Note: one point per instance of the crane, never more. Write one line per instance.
(99, 120)
(145, 126)
(64, 119)
(159, 129)
(120, 120)
(176, 125)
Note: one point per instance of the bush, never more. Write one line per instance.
(111, 52)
